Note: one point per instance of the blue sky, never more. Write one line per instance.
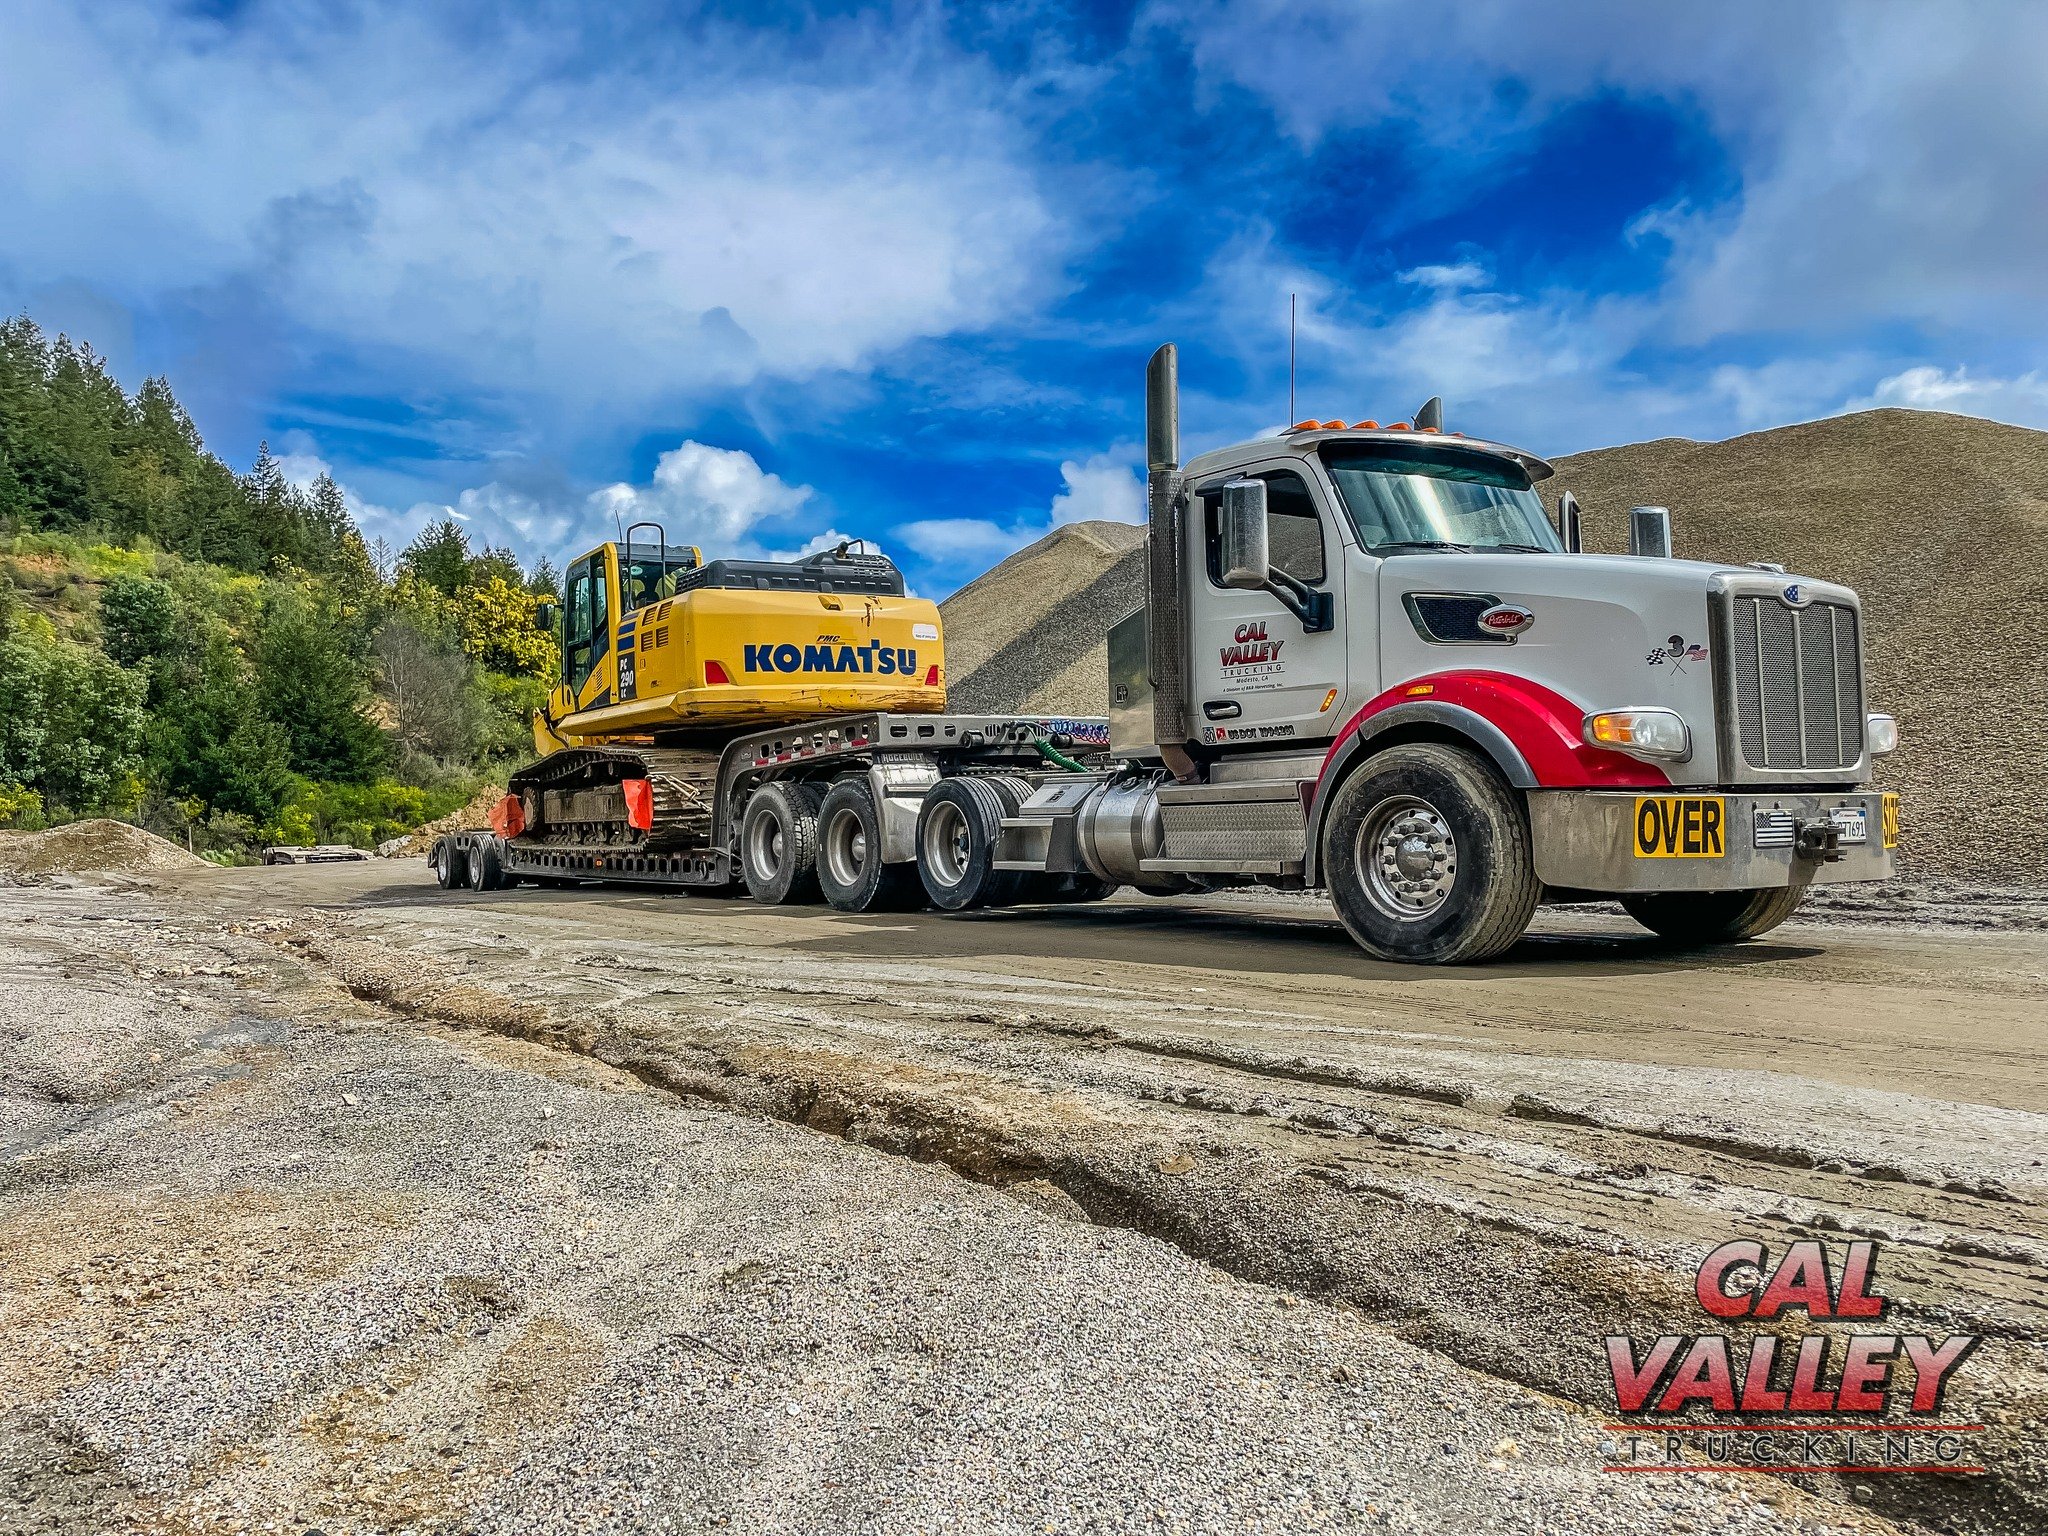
(778, 272)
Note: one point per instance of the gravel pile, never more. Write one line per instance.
(1940, 522)
(98, 846)
(1029, 636)
(419, 842)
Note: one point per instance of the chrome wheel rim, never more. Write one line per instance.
(764, 847)
(946, 843)
(1408, 858)
(846, 847)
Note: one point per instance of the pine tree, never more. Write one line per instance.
(439, 557)
(308, 683)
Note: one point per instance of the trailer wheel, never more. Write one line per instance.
(486, 871)
(779, 844)
(1426, 853)
(851, 872)
(451, 871)
(957, 830)
(1714, 917)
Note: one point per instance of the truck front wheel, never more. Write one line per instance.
(1426, 854)
(779, 844)
(1714, 917)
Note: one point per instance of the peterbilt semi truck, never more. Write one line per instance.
(1367, 662)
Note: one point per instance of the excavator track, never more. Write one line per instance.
(572, 799)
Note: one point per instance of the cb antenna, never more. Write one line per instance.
(1290, 357)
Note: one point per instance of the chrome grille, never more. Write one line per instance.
(1797, 680)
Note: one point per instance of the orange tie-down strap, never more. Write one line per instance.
(508, 817)
(639, 803)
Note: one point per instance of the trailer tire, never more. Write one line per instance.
(957, 830)
(851, 872)
(1700, 918)
(486, 870)
(1427, 855)
(779, 844)
(451, 871)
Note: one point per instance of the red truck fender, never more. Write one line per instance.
(1530, 733)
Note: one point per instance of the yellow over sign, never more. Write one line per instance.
(1681, 827)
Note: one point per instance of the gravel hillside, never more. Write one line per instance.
(1941, 522)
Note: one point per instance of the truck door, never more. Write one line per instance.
(1253, 673)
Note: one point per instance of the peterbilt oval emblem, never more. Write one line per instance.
(1506, 619)
(1796, 596)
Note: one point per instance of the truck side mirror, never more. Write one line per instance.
(544, 616)
(1244, 560)
(1649, 532)
(1568, 530)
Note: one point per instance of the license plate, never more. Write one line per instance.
(1888, 815)
(1681, 827)
(1852, 823)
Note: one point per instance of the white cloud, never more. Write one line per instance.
(967, 544)
(719, 499)
(1106, 487)
(708, 496)
(713, 210)
(1887, 156)
(1449, 279)
(2022, 401)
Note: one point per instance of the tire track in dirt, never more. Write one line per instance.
(1497, 1262)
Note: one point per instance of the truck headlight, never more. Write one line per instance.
(1882, 733)
(1641, 733)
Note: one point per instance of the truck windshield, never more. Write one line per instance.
(1402, 498)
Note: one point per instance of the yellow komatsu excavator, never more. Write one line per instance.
(666, 659)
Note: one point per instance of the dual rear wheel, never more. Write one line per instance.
(799, 843)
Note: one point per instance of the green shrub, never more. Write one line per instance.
(362, 815)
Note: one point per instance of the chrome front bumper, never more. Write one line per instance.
(1595, 840)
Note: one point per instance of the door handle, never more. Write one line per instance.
(1222, 709)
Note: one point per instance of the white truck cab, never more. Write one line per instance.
(1369, 661)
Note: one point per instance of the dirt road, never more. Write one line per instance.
(1471, 1176)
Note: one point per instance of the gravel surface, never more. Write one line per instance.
(272, 1258)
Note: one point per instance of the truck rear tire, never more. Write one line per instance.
(1426, 854)
(1714, 917)
(957, 831)
(850, 869)
(779, 844)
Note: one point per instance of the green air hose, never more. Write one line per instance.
(1053, 754)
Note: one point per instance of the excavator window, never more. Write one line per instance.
(585, 621)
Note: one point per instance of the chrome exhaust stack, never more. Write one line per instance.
(1166, 637)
